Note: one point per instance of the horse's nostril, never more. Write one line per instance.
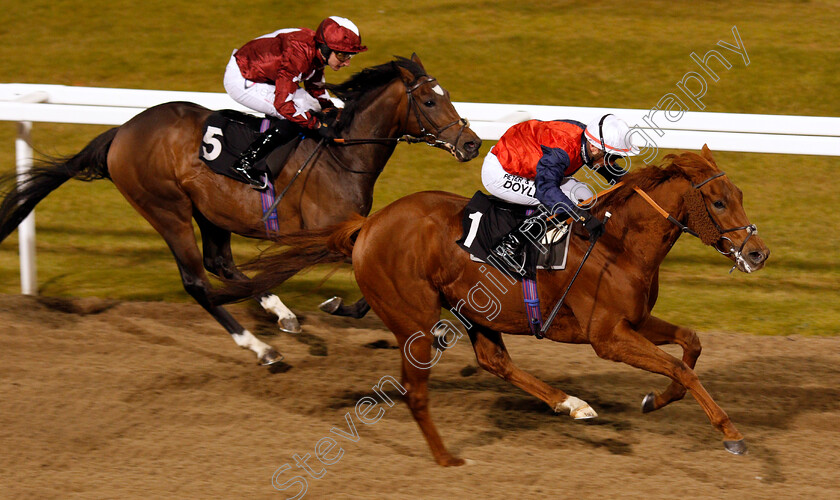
(470, 146)
(757, 257)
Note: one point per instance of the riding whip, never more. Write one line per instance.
(267, 214)
(559, 303)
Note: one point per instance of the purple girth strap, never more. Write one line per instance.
(272, 224)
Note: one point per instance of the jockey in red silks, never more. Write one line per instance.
(533, 164)
(265, 75)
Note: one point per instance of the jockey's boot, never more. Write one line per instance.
(257, 151)
(510, 252)
(512, 248)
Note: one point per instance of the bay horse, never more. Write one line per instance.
(153, 160)
(408, 267)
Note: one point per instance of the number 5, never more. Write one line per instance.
(214, 143)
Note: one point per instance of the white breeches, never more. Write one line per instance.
(522, 191)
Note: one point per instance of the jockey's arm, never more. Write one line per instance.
(315, 87)
(285, 86)
(550, 168)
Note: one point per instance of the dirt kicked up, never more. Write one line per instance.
(104, 399)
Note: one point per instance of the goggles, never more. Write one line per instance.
(343, 56)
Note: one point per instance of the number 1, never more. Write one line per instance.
(474, 217)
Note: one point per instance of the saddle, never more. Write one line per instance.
(227, 133)
(488, 219)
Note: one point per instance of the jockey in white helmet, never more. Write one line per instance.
(533, 164)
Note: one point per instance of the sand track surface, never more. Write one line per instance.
(106, 399)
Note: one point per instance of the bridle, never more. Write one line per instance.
(425, 136)
(736, 253)
(432, 139)
(750, 228)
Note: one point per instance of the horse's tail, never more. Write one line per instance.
(20, 193)
(300, 250)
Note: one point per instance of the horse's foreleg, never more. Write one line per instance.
(624, 344)
(218, 259)
(492, 355)
(661, 332)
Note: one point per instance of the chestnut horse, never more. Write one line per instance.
(153, 160)
(408, 266)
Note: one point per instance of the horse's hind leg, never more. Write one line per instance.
(492, 355)
(622, 343)
(174, 223)
(196, 284)
(410, 310)
(416, 363)
(661, 332)
(218, 259)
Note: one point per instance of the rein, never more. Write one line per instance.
(427, 137)
(279, 198)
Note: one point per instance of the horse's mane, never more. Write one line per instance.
(690, 166)
(357, 88)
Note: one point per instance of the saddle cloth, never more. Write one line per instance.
(487, 219)
(227, 133)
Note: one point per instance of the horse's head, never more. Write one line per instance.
(716, 212)
(431, 115)
(398, 98)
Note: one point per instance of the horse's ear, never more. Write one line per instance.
(416, 59)
(707, 154)
(406, 75)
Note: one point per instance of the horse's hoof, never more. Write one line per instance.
(584, 413)
(453, 462)
(330, 306)
(289, 325)
(271, 357)
(738, 447)
(648, 403)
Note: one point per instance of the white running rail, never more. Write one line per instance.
(26, 103)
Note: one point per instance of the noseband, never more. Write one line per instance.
(716, 235)
(750, 228)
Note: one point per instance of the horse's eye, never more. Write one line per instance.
(429, 103)
(719, 205)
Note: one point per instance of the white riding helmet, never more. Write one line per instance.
(609, 133)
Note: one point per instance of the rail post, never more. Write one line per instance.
(26, 229)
